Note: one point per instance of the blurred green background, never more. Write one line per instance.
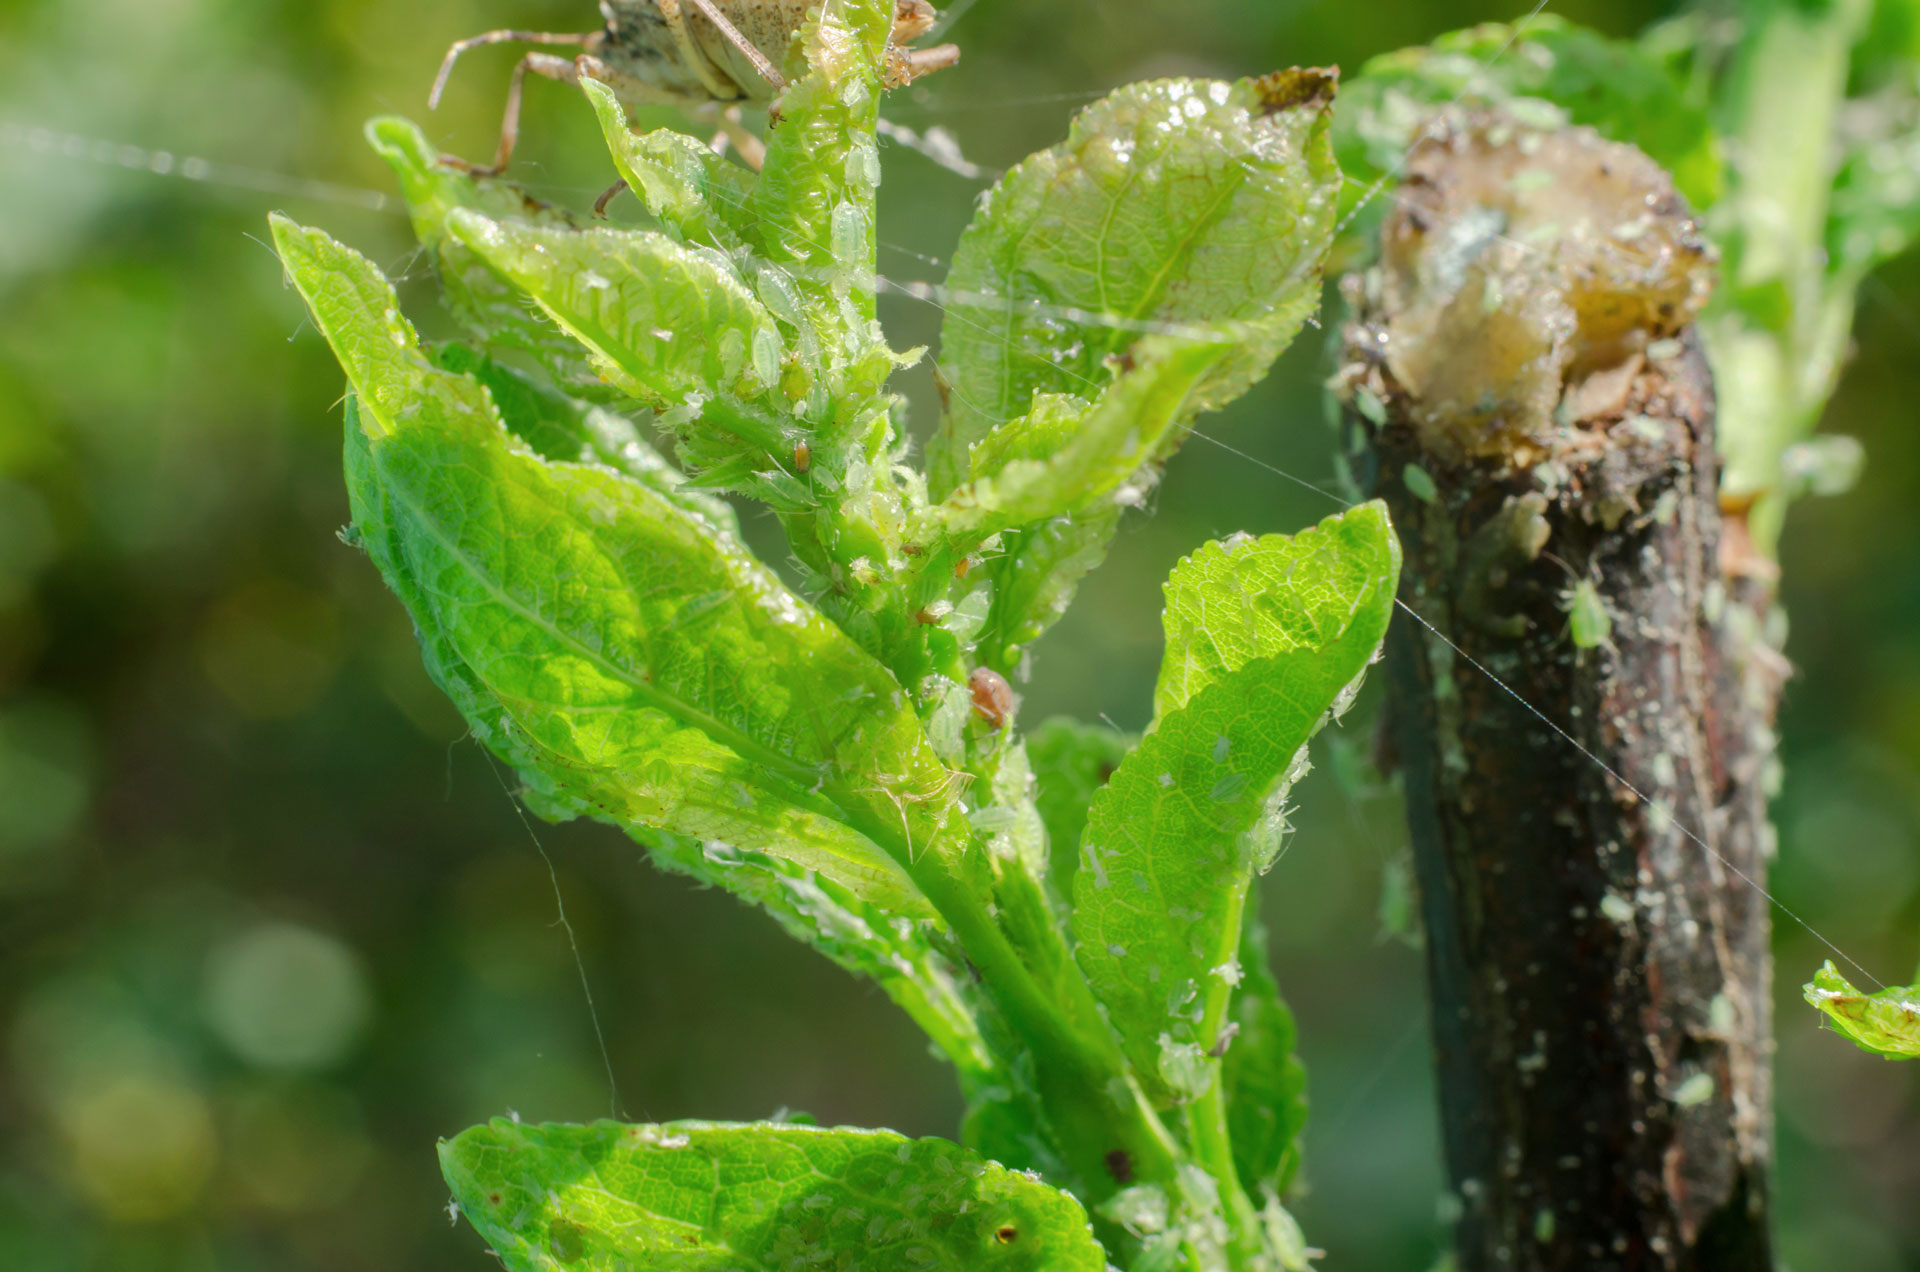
(269, 926)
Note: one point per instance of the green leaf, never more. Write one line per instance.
(1177, 207)
(705, 1197)
(695, 194)
(1071, 761)
(1033, 577)
(1874, 215)
(1239, 599)
(1266, 1083)
(1137, 422)
(619, 649)
(1174, 840)
(675, 328)
(1547, 68)
(1886, 1023)
(482, 301)
(668, 324)
(568, 430)
(895, 951)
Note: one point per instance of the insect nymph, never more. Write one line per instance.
(690, 53)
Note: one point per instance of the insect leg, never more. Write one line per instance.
(494, 37)
(614, 191)
(753, 151)
(562, 69)
(760, 62)
(908, 65)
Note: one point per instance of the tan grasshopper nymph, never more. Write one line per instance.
(699, 54)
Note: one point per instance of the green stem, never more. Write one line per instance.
(1208, 1133)
(1775, 373)
(1107, 1130)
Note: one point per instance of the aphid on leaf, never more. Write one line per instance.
(802, 458)
(697, 54)
(993, 699)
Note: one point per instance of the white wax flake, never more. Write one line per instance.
(1229, 972)
(1118, 951)
(1166, 780)
(594, 281)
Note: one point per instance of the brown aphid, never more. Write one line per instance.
(802, 457)
(993, 699)
(961, 567)
(697, 54)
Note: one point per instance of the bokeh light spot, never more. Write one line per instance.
(286, 997)
(142, 1146)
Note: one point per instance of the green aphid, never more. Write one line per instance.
(1886, 1023)
(1588, 621)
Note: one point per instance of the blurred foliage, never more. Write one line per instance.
(268, 926)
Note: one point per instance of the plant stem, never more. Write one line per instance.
(1778, 337)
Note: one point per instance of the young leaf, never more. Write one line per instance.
(667, 323)
(1547, 68)
(1886, 1023)
(1181, 204)
(1136, 422)
(567, 430)
(1174, 840)
(696, 195)
(631, 659)
(482, 301)
(1875, 212)
(1033, 577)
(1071, 761)
(705, 1197)
(895, 951)
(1236, 600)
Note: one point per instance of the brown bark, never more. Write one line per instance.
(1532, 404)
